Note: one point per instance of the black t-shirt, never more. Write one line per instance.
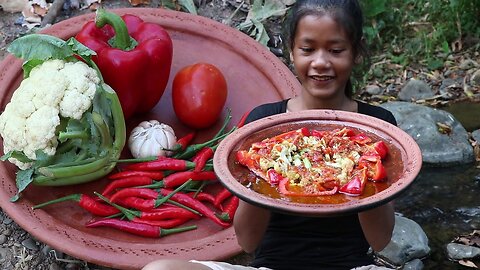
(295, 242)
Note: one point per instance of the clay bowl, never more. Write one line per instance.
(402, 163)
(254, 76)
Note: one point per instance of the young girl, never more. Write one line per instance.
(325, 42)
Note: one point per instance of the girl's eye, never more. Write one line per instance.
(337, 51)
(306, 49)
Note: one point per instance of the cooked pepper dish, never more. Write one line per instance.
(313, 162)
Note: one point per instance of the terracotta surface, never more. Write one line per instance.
(253, 75)
(402, 164)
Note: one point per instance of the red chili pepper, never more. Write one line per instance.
(132, 181)
(179, 178)
(221, 197)
(229, 210)
(203, 197)
(151, 174)
(166, 223)
(137, 203)
(161, 164)
(138, 61)
(168, 212)
(195, 204)
(137, 228)
(241, 122)
(86, 202)
(201, 158)
(356, 185)
(192, 149)
(149, 204)
(184, 142)
(144, 193)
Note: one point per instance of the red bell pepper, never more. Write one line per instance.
(134, 57)
(381, 149)
(356, 185)
(374, 168)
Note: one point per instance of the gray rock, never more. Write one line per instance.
(30, 244)
(54, 266)
(446, 85)
(416, 264)
(415, 90)
(3, 239)
(409, 242)
(7, 221)
(437, 148)
(458, 251)
(371, 267)
(476, 135)
(373, 89)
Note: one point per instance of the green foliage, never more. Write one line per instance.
(260, 11)
(419, 31)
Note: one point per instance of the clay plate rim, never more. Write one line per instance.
(410, 157)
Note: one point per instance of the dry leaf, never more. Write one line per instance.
(138, 2)
(13, 5)
(468, 263)
(31, 18)
(444, 128)
(40, 11)
(91, 4)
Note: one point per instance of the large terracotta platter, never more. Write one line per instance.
(402, 164)
(253, 75)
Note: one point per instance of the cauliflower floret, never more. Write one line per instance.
(79, 94)
(53, 89)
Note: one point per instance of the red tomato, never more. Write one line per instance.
(199, 92)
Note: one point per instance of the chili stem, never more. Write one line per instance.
(164, 232)
(130, 214)
(72, 197)
(162, 200)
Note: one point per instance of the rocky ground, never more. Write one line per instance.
(455, 82)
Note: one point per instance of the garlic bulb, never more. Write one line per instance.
(151, 138)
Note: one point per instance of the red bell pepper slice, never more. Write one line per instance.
(133, 56)
(344, 132)
(360, 138)
(251, 162)
(356, 185)
(381, 149)
(283, 188)
(317, 133)
(374, 168)
(292, 134)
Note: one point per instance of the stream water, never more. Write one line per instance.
(446, 203)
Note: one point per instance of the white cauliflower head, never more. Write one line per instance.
(53, 89)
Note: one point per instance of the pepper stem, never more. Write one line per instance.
(72, 197)
(164, 232)
(122, 39)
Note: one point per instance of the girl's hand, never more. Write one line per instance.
(250, 223)
(377, 225)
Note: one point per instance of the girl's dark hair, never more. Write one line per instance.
(347, 13)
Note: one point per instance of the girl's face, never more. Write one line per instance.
(323, 57)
